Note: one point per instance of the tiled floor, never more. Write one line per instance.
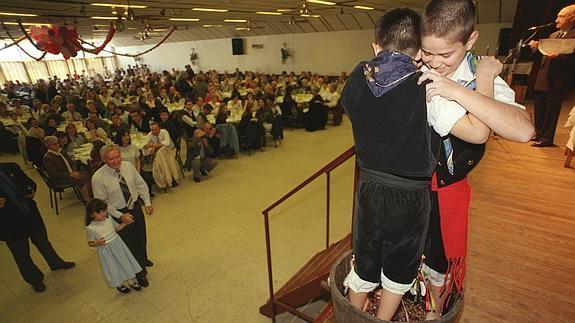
(206, 240)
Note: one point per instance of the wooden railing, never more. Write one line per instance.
(327, 169)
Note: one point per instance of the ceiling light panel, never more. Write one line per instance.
(18, 14)
(133, 6)
(210, 10)
(327, 3)
(363, 7)
(184, 19)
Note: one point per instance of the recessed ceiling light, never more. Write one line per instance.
(329, 3)
(18, 14)
(105, 18)
(28, 24)
(269, 13)
(133, 6)
(235, 20)
(363, 7)
(210, 10)
(184, 19)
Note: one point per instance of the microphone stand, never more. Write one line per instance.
(514, 54)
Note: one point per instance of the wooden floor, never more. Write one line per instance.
(521, 264)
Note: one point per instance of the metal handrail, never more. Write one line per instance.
(327, 169)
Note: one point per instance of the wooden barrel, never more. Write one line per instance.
(346, 313)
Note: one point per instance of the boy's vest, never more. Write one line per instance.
(465, 157)
(391, 133)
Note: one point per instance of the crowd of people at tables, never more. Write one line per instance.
(164, 108)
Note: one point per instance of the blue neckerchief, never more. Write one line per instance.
(386, 70)
(472, 64)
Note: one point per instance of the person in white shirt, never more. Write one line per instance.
(157, 138)
(120, 185)
(165, 169)
(71, 114)
(331, 97)
(235, 105)
(23, 111)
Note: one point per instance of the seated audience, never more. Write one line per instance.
(165, 169)
(138, 122)
(75, 139)
(167, 123)
(34, 129)
(71, 114)
(116, 125)
(94, 132)
(62, 170)
(198, 159)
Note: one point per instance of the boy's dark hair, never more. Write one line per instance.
(398, 30)
(453, 20)
(95, 205)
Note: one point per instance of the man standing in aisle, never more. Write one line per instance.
(556, 76)
(120, 185)
(21, 220)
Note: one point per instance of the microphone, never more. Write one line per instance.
(542, 26)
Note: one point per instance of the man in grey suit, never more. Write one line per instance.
(556, 76)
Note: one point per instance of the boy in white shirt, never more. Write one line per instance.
(466, 100)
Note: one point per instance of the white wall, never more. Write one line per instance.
(326, 53)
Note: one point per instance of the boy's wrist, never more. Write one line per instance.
(485, 78)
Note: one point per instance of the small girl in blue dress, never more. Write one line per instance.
(117, 262)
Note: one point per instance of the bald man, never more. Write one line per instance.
(556, 76)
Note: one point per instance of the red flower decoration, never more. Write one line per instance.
(57, 40)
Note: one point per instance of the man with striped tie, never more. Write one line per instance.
(120, 185)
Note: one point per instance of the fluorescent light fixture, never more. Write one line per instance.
(210, 10)
(28, 24)
(328, 3)
(18, 14)
(269, 13)
(104, 18)
(235, 20)
(363, 7)
(160, 29)
(241, 28)
(133, 6)
(211, 26)
(284, 10)
(184, 19)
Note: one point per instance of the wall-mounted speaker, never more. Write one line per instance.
(237, 46)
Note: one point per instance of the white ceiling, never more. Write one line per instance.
(341, 16)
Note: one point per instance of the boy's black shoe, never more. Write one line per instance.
(39, 288)
(143, 282)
